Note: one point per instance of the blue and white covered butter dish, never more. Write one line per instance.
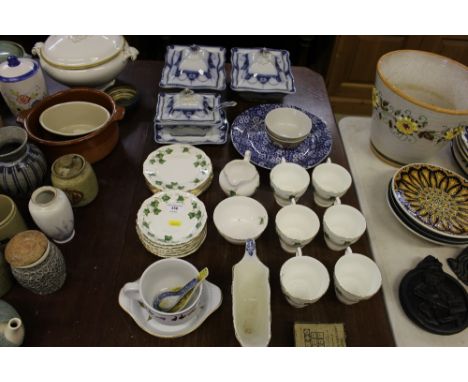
(188, 108)
(261, 70)
(194, 67)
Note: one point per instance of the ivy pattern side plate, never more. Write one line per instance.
(248, 132)
(433, 197)
(171, 217)
(177, 167)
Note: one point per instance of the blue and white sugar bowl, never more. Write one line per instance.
(21, 83)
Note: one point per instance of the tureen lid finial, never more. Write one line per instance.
(13, 61)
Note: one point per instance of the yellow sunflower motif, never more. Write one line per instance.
(406, 125)
(452, 133)
(436, 197)
(375, 98)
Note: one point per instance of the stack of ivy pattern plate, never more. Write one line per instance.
(172, 223)
(178, 167)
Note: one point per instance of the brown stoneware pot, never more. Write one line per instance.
(93, 146)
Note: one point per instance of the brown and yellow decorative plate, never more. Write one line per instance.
(434, 197)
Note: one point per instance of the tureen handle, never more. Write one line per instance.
(131, 53)
(36, 50)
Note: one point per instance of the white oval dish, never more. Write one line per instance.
(251, 293)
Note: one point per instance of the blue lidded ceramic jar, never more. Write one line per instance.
(22, 165)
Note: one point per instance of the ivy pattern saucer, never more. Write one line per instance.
(171, 217)
(210, 300)
(261, 70)
(248, 132)
(177, 167)
(194, 67)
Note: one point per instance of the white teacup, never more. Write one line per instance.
(296, 226)
(161, 276)
(356, 278)
(288, 180)
(343, 225)
(304, 280)
(329, 180)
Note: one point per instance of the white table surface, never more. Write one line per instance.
(396, 250)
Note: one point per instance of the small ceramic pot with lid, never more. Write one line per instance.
(21, 83)
(74, 175)
(36, 263)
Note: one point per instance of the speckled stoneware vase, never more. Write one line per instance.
(36, 263)
(11, 326)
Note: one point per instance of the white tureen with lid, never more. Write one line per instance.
(84, 60)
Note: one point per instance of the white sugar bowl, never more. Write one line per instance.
(239, 177)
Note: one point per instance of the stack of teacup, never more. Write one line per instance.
(172, 223)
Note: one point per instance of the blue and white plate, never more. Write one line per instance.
(248, 132)
(193, 135)
(261, 70)
(190, 109)
(194, 67)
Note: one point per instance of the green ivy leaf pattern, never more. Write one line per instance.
(198, 225)
(146, 211)
(152, 161)
(180, 199)
(156, 211)
(165, 197)
(262, 220)
(199, 156)
(232, 193)
(145, 224)
(194, 205)
(169, 151)
(154, 203)
(196, 180)
(158, 182)
(167, 237)
(196, 215)
(185, 150)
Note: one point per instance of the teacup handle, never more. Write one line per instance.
(247, 155)
(348, 251)
(292, 199)
(298, 251)
(131, 287)
(329, 160)
(337, 201)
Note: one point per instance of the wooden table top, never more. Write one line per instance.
(106, 253)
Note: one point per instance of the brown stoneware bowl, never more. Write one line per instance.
(93, 146)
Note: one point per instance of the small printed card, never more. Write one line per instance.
(319, 335)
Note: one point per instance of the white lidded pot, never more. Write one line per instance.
(239, 177)
(51, 210)
(93, 61)
(21, 83)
